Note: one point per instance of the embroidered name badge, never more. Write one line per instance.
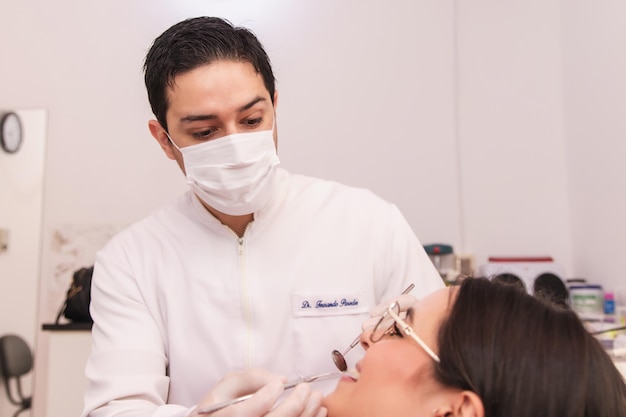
(311, 305)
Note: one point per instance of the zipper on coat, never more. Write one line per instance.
(245, 299)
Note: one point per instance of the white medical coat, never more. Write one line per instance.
(179, 300)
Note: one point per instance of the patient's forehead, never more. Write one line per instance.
(435, 302)
(429, 312)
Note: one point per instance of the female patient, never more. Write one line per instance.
(496, 351)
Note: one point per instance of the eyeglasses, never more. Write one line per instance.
(339, 358)
(382, 329)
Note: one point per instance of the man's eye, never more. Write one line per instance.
(203, 134)
(253, 122)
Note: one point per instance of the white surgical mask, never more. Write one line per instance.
(232, 174)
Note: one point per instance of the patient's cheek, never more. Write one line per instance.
(388, 377)
(391, 362)
(337, 403)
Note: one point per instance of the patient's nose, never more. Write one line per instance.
(364, 339)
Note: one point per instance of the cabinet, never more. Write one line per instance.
(60, 381)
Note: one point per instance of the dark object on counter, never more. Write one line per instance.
(438, 249)
(16, 361)
(76, 305)
(510, 279)
(546, 286)
(551, 287)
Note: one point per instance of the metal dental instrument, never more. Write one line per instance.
(291, 384)
(339, 358)
(612, 329)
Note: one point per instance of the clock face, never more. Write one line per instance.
(10, 132)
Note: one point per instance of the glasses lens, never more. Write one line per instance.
(385, 325)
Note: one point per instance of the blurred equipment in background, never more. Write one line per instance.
(449, 265)
(16, 361)
(539, 276)
(4, 240)
(587, 300)
(441, 255)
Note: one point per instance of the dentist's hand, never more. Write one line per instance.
(267, 388)
(404, 300)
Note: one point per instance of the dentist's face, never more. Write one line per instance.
(213, 101)
(396, 374)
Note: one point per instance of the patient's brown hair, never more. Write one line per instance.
(525, 357)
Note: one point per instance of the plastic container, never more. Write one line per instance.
(588, 301)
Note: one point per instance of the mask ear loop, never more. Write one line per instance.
(172, 142)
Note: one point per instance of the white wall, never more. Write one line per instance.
(595, 117)
(366, 97)
(511, 136)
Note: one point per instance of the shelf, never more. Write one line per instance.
(66, 326)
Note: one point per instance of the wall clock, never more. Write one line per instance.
(11, 134)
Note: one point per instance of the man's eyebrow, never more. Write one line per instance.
(202, 117)
(252, 103)
(198, 117)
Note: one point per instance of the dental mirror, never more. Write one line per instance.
(340, 359)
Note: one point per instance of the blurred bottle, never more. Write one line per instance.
(620, 306)
(609, 303)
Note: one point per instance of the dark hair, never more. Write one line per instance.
(525, 357)
(195, 42)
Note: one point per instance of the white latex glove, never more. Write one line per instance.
(405, 301)
(301, 402)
